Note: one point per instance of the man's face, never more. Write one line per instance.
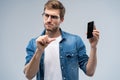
(52, 19)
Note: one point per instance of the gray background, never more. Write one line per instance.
(20, 20)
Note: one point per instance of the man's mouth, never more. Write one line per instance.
(49, 25)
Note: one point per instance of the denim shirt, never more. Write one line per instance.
(72, 56)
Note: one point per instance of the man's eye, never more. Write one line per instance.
(46, 15)
(54, 17)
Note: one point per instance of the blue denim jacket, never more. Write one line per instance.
(72, 56)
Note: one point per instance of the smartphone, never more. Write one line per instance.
(90, 27)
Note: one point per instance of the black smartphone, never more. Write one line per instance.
(90, 27)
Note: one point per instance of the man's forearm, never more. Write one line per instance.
(32, 67)
(92, 62)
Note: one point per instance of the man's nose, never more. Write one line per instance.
(49, 19)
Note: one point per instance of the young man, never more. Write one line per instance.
(57, 55)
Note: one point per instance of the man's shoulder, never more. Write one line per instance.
(33, 39)
(32, 42)
(68, 34)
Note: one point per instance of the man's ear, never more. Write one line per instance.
(62, 19)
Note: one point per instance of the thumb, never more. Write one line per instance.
(94, 28)
(50, 39)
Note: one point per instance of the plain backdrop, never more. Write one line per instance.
(21, 20)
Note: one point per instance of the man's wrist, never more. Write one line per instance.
(39, 50)
(93, 48)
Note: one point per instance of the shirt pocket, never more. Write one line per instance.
(71, 57)
(71, 54)
(71, 60)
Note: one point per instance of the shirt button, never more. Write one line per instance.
(61, 57)
(72, 54)
(62, 67)
(64, 78)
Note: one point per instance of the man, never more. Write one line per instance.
(57, 55)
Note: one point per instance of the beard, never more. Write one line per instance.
(51, 28)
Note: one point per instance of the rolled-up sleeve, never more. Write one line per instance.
(30, 50)
(82, 56)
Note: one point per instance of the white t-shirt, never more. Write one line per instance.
(52, 61)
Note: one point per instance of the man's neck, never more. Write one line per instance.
(53, 34)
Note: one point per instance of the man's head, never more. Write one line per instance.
(53, 15)
(57, 5)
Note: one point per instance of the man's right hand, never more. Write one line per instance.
(43, 41)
